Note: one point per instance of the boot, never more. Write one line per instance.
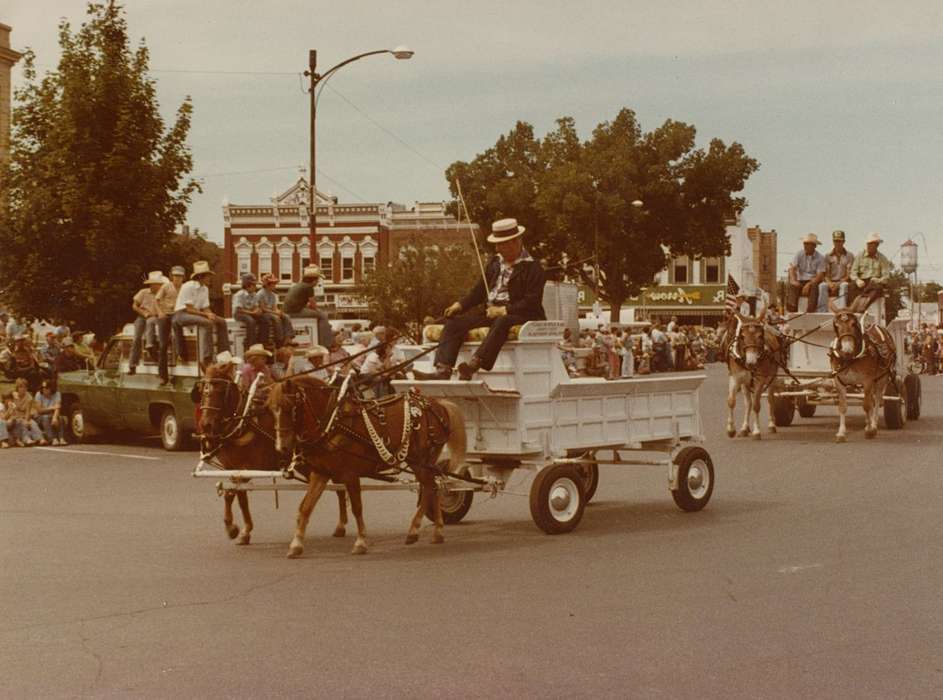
(467, 370)
(441, 373)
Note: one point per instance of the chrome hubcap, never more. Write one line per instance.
(564, 499)
(698, 479)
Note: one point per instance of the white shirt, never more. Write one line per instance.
(499, 293)
(194, 294)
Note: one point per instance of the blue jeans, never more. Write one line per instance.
(284, 331)
(256, 327)
(4, 435)
(143, 328)
(25, 430)
(205, 328)
(50, 431)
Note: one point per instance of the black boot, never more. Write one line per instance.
(467, 370)
(441, 373)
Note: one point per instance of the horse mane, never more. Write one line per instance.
(213, 371)
(277, 389)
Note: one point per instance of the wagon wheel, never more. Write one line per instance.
(590, 475)
(455, 504)
(895, 413)
(783, 410)
(556, 498)
(912, 391)
(695, 479)
(806, 409)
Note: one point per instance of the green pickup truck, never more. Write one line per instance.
(107, 398)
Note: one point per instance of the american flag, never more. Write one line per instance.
(730, 296)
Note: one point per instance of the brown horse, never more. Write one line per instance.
(344, 438)
(753, 353)
(241, 442)
(860, 357)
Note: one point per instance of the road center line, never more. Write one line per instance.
(92, 452)
(795, 569)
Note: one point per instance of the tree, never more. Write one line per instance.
(96, 184)
(897, 284)
(929, 292)
(421, 282)
(579, 198)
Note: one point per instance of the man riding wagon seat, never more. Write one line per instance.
(514, 295)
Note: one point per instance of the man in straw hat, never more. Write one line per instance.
(144, 304)
(166, 301)
(869, 272)
(193, 309)
(514, 295)
(300, 303)
(257, 359)
(806, 270)
(837, 269)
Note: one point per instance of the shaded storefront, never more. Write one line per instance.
(693, 304)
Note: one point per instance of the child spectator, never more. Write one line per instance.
(22, 412)
(47, 405)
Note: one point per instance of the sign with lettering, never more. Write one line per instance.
(673, 295)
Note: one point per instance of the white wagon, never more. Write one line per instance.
(533, 430)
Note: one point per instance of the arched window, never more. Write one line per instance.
(264, 250)
(348, 251)
(368, 255)
(243, 257)
(286, 251)
(326, 259)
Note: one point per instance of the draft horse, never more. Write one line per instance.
(343, 437)
(240, 439)
(754, 355)
(860, 357)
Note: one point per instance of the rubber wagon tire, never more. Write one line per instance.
(590, 475)
(75, 423)
(695, 479)
(557, 500)
(171, 436)
(784, 409)
(913, 392)
(895, 415)
(455, 504)
(806, 409)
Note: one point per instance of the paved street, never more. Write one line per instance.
(814, 572)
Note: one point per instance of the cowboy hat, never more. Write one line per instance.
(317, 350)
(227, 358)
(201, 267)
(505, 230)
(268, 277)
(311, 271)
(178, 270)
(155, 277)
(874, 238)
(838, 235)
(257, 349)
(811, 238)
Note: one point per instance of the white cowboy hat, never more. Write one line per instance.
(311, 271)
(874, 238)
(155, 277)
(505, 230)
(227, 358)
(257, 349)
(317, 350)
(811, 238)
(178, 270)
(201, 267)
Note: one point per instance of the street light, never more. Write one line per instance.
(400, 52)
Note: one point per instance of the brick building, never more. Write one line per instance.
(350, 241)
(8, 57)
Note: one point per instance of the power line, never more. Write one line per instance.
(247, 172)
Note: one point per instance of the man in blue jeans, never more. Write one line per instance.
(247, 310)
(193, 309)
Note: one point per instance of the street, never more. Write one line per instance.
(814, 572)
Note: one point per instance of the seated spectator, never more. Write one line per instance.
(247, 310)
(192, 308)
(277, 319)
(4, 432)
(22, 361)
(257, 358)
(144, 305)
(82, 347)
(300, 303)
(22, 415)
(69, 360)
(314, 359)
(51, 349)
(336, 353)
(48, 404)
(166, 299)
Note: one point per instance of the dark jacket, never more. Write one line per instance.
(525, 289)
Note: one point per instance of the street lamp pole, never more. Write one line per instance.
(315, 78)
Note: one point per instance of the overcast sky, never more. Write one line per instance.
(841, 102)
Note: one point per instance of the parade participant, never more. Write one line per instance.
(166, 299)
(869, 272)
(300, 303)
(144, 305)
(192, 308)
(515, 285)
(336, 353)
(837, 270)
(246, 310)
(48, 405)
(278, 320)
(378, 360)
(314, 358)
(22, 414)
(806, 270)
(69, 360)
(257, 358)
(227, 365)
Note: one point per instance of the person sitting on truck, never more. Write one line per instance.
(193, 309)
(144, 305)
(246, 310)
(166, 299)
(511, 291)
(837, 270)
(300, 303)
(278, 320)
(806, 270)
(870, 272)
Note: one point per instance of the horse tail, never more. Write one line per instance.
(458, 438)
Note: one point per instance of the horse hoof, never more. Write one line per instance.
(869, 434)
(359, 548)
(437, 538)
(232, 531)
(244, 539)
(731, 432)
(757, 436)
(742, 433)
(841, 438)
(412, 538)
(772, 428)
(339, 532)
(295, 550)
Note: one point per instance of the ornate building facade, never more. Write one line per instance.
(351, 240)
(8, 57)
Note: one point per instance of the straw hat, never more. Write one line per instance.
(311, 271)
(317, 351)
(874, 238)
(811, 238)
(201, 267)
(227, 358)
(257, 349)
(505, 230)
(155, 277)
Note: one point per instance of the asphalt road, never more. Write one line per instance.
(814, 572)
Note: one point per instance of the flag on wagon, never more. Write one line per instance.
(730, 295)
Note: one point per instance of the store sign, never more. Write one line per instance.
(350, 300)
(668, 295)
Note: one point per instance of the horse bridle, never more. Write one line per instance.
(761, 350)
(857, 336)
(207, 392)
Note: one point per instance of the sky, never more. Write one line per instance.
(841, 102)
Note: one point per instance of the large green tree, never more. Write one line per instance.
(96, 183)
(420, 282)
(621, 202)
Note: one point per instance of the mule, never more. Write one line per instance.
(238, 443)
(860, 357)
(344, 438)
(754, 356)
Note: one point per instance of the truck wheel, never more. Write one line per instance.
(170, 435)
(895, 413)
(912, 390)
(556, 498)
(784, 409)
(806, 409)
(75, 423)
(695, 479)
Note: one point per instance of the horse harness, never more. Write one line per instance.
(865, 344)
